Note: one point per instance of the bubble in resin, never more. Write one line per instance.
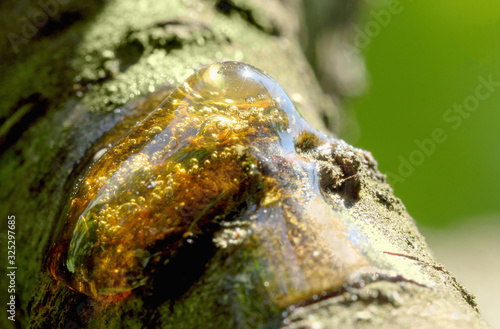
(225, 139)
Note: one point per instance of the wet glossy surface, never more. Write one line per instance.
(226, 143)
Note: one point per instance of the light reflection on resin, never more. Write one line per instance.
(225, 141)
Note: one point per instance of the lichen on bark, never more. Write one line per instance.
(74, 81)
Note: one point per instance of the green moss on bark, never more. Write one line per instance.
(70, 82)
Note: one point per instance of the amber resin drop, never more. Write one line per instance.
(227, 142)
(171, 175)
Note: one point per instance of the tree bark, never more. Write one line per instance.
(70, 86)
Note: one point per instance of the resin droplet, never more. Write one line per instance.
(135, 195)
(227, 142)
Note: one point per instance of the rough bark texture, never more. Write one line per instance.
(59, 95)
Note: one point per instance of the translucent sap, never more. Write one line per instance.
(226, 137)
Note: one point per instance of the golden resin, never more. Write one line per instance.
(225, 140)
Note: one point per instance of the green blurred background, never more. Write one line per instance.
(421, 60)
(427, 59)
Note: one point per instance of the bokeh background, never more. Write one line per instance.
(422, 60)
